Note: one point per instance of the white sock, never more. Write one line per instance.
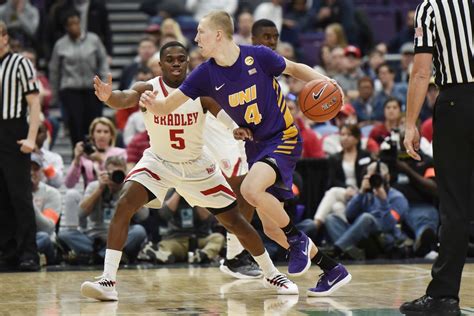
(266, 264)
(111, 263)
(234, 247)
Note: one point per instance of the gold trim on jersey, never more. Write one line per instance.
(290, 132)
(286, 147)
(282, 104)
(283, 152)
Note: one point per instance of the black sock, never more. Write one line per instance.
(290, 229)
(325, 262)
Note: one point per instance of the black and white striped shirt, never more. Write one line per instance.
(444, 29)
(18, 78)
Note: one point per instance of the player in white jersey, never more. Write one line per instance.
(175, 159)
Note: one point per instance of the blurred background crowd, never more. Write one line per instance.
(366, 45)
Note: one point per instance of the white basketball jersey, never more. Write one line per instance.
(176, 137)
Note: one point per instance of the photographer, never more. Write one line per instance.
(415, 179)
(374, 210)
(90, 154)
(98, 206)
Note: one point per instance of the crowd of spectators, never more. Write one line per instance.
(356, 218)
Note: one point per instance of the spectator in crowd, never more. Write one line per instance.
(243, 36)
(428, 106)
(312, 145)
(135, 124)
(136, 147)
(364, 105)
(335, 36)
(94, 18)
(346, 170)
(171, 27)
(53, 165)
(188, 231)
(375, 209)
(98, 206)
(347, 116)
(47, 203)
(376, 58)
(195, 59)
(154, 32)
(121, 116)
(296, 19)
(328, 12)
(352, 72)
(324, 60)
(392, 120)
(407, 52)
(91, 154)
(416, 180)
(162, 9)
(404, 36)
(76, 58)
(146, 49)
(286, 50)
(337, 62)
(22, 20)
(386, 76)
(272, 11)
(200, 8)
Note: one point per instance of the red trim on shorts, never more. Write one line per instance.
(162, 84)
(236, 168)
(152, 174)
(219, 188)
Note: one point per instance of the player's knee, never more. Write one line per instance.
(249, 194)
(126, 206)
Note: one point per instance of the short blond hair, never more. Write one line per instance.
(107, 122)
(221, 21)
(3, 28)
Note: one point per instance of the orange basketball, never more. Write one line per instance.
(320, 100)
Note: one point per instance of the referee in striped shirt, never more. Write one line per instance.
(18, 89)
(444, 37)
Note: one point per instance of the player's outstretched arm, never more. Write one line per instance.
(118, 99)
(165, 106)
(302, 72)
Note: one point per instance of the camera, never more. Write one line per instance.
(89, 148)
(117, 176)
(376, 181)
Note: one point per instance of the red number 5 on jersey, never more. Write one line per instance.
(177, 142)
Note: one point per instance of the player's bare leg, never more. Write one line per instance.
(134, 197)
(238, 263)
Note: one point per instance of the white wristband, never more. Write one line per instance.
(225, 119)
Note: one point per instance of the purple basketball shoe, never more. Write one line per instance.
(330, 281)
(299, 254)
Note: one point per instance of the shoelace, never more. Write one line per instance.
(105, 281)
(280, 280)
(321, 277)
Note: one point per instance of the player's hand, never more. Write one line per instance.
(412, 142)
(103, 90)
(27, 146)
(243, 133)
(340, 90)
(147, 99)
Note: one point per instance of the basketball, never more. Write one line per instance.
(320, 100)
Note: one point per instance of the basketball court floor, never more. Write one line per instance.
(374, 290)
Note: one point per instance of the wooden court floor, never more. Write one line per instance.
(374, 290)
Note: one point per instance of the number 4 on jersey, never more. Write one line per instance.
(252, 115)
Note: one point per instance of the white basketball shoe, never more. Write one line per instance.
(103, 289)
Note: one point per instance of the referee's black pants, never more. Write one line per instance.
(17, 215)
(453, 150)
(81, 107)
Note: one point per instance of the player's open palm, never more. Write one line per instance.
(103, 90)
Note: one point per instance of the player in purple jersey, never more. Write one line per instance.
(242, 80)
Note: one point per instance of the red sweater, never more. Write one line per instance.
(137, 146)
(312, 145)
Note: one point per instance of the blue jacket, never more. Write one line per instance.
(381, 210)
